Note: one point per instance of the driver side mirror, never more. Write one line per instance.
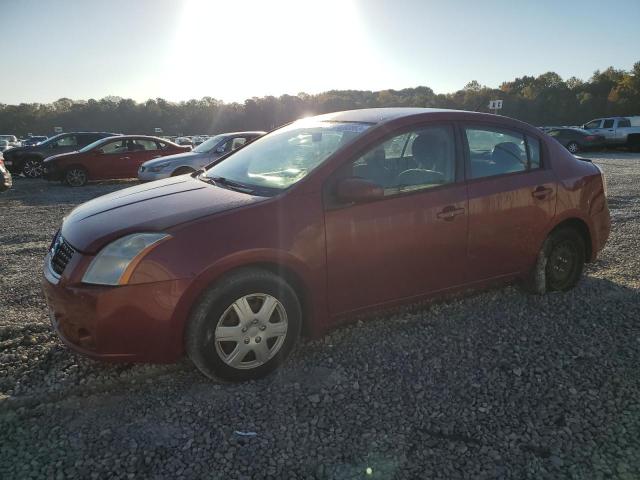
(358, 190)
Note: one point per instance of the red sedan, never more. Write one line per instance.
(108, 158)
(313, 223)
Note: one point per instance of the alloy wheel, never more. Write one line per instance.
(32, 168)
(76, 177)
(251, 331)
(573, 147)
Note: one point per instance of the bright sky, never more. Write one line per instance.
(233, 49)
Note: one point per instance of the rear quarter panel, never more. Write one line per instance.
(581, 195)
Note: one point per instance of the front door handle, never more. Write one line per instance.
(125, 158)
(450, 212)
(541, 192)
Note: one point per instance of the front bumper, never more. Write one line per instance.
(147, 176)
(123, 323)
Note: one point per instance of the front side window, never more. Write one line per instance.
(593, 124)
(624, 122)
(495, 151)
(285, 156)
(416, 160)
(238, 142)
(608, 123)
(115, 147)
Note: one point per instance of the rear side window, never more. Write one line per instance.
(608, 123)
(533, 146)
(494, 151)
(140, 144)
(68, 141)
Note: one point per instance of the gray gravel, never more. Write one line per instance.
(496, 385)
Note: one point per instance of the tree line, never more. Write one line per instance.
(546, 99)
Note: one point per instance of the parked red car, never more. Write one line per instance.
(108, 158)
(315, 222)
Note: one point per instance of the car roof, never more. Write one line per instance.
(241, 133)
(143, 137)
(383, 115)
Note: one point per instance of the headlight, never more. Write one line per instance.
(115, 263)
(159, 168)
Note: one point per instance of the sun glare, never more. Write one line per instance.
(234, 50)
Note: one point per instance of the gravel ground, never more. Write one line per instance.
(497, 385)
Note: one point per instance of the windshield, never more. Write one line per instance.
(285, 156)
(91, 146)
(8, 138)
(205, 147)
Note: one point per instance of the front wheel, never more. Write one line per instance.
(76, 177)
(182, 171)
(244, 327)
(573, 147)
(32, 168)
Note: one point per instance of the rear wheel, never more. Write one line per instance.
(565, 260)
(244, 327)
(573, 147)
(76, 177)
(32, 168)
(560, 262)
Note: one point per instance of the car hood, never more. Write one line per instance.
(150, 207)
(178, 157)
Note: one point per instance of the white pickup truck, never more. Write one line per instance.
(620, 131)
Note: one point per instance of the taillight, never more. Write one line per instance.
(590, 138)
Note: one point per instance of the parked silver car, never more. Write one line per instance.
(197, 158)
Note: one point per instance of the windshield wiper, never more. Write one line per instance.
(226, 183)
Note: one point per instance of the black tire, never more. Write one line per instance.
(560, 263)
(76, 176)
(573, 147)
(32, 167)
(210, 310)
(182, 171)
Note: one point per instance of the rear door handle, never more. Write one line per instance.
(450, 212)
(541, 192)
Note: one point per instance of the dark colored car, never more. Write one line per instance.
(5, 176)
(28, 160)
(314, 223)
(108, 158)
(576, 139)
(33, 140)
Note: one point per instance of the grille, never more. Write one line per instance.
(60, 255)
